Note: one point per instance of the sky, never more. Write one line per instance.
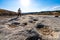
(30, 5)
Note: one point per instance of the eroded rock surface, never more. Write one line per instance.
(30, 27)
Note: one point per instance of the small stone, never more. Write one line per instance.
(35, 19)
(1, 27)
(15, 23)
(30, 21)
(56, 16)
(39, 25)
(25, 23)
(34, 38)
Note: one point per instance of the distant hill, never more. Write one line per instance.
(11, 13)
(4, 12)
(56, 12)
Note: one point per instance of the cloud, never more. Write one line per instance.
(51, 8)
(31, 6)
(55, 8)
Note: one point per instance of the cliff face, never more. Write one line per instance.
(7, 13)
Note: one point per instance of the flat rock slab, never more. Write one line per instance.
(30, 27)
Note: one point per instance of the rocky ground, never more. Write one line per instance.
(30, 27)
